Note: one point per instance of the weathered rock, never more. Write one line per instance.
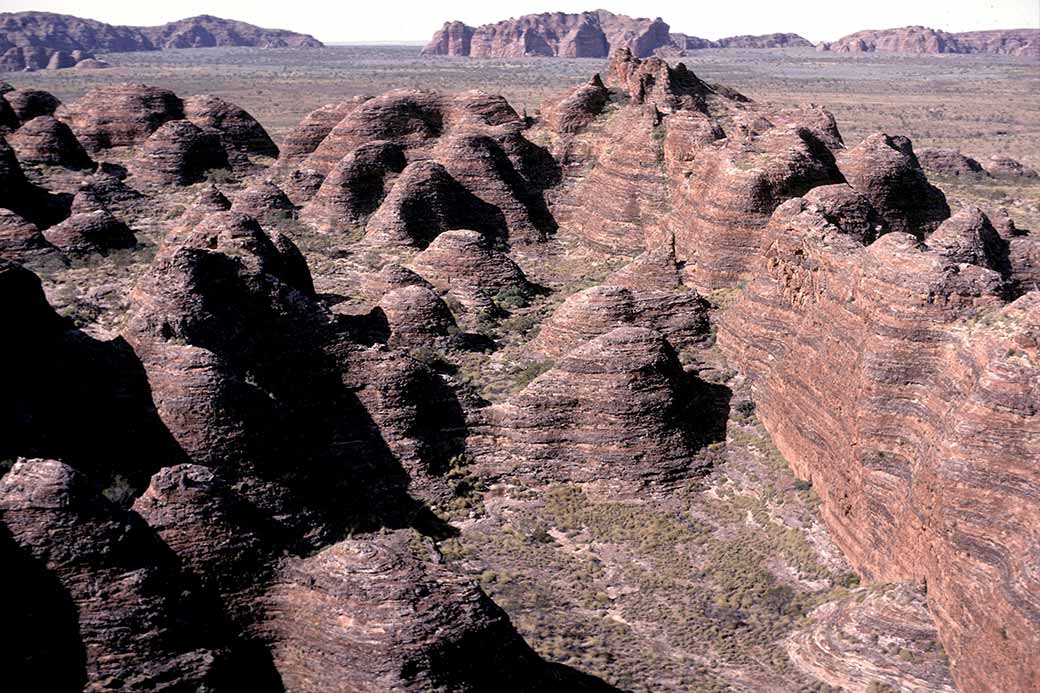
(313, 129)
(366, 615)
(921, 39)
(104, 191)
(615, 407)
(92, 64)
(30, 103)
(355, 187)
(130, 616)
(417, 317)
(8, 118)
(23, 198)
(1002, 166)
(178, 153)
(21, 241)
(969, 237)
(584, 35)
(120, 114)
(373, 285)
(900, 383)
(886, 170)
(426, 201)
(765, 41)
(948, 162)
(464, 264)
(46, 140)
(654, 270)
(265, 202)
(680, 316)
(241, 135)
(90, 232)
(207, 31)
(669, 169)
(874, 636)
(578, 108)
(850, 211)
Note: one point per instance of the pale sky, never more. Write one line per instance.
(388, 20)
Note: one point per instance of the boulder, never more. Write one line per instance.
(240, 133)
(417, 317)
(1005, 167)
(86, 233)
(30, 103)
(178, 153)
(948, 162)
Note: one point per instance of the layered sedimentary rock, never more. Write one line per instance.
(921, 39)
(120, 114)
(45, 140)
(584, 35)
(949, 162)
(21, 241)
(692, 165)
(30, 103)
(466, 265)
(24, 198)
(207, 31)
(680, 316)
(90, 232)
(885, 170)
(111, 576)
(898, 380)
(355, 187)
(618, 406)
(241, 135)
(577, 109)
(313, 129)
(373, 285)
(365, 615)
(178, 153)
(842, 644)
(416, 316)
(264, 201)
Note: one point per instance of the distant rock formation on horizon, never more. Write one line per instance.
(922, 39)
(44, 40)
(592, 34)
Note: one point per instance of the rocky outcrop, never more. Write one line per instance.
(373, 285)
(1006, 167)
(680, 316)
(108, 575)
(45, 140)
(465, 265)
(898, 380)
(313, 129)
(22, 197)
(618, 407)
(880, 636)
(90, 232)
(120, 114)
(355, 187)
(921, 39)
(207, 31)
(764, 41)
(22, 242)
(417, 317)
(30, 103)
(690, 166)
(178, 153)
(241, 135)
(887, 172)
(948, 162)
(39, 40)
(264, 201)
(365, 615)
(584, 35)
(577, 109)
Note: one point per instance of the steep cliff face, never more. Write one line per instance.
(898, 379)
(584, 35)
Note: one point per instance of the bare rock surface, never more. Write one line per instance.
(178, 153)
(90, 232)
(906, 364)
(30, 103)
(615, 407)
(843, 644)
(46, 140)
(949, 162)
(241, 135)
(1001, 166)
(120, 115)
(922, 39)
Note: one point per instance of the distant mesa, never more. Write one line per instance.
(585, 35)
(47, 41)
(922, 39)
(595, 34)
